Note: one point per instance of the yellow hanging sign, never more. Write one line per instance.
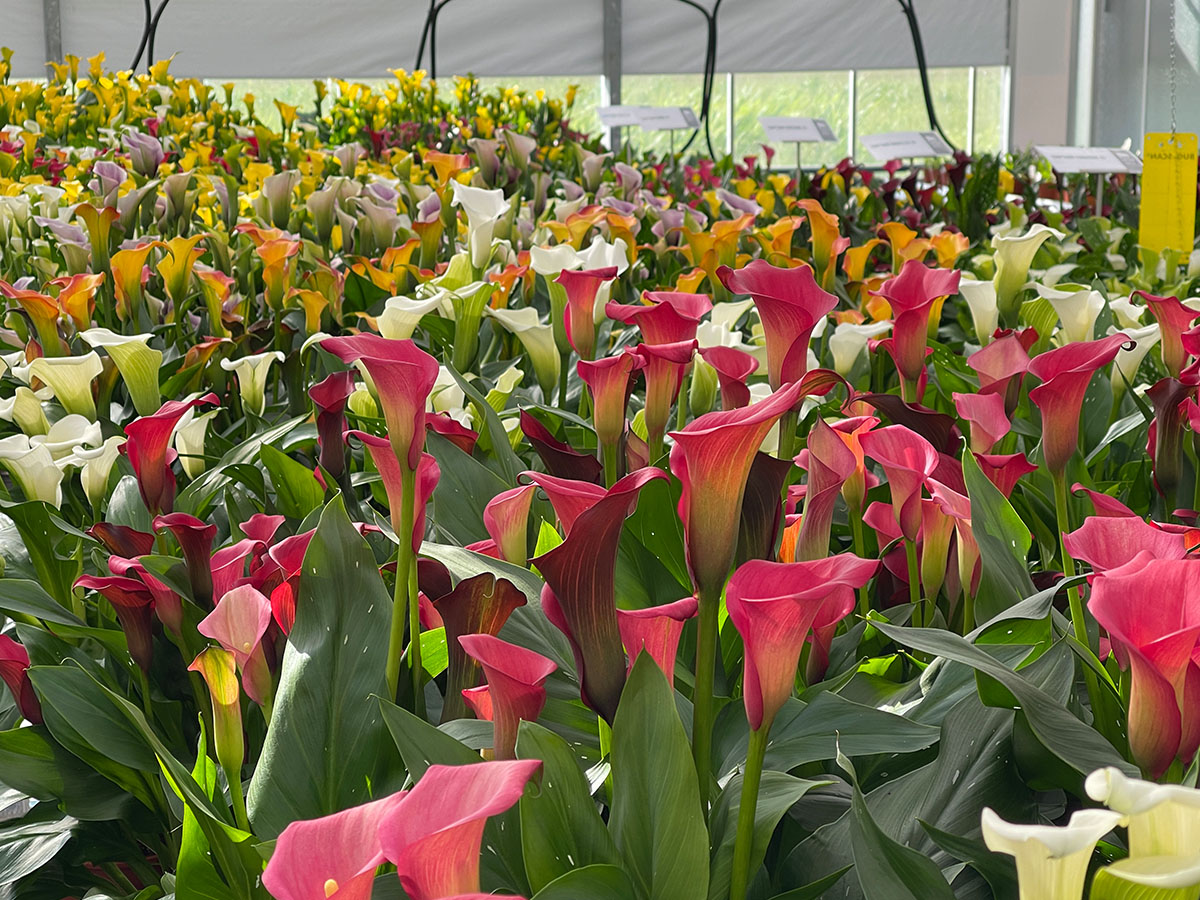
(1168, 210)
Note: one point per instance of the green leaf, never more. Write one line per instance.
(17, 595)
(777, 793)
(464, 489)
(1004, 542)
(51, 551)
(560, 827)
(656, 820)
(1110, 885)
(420, 744)
(1076, 744)
(589, 883)
(816, 889)
(434, 654)
(197, 877)
(997, 869)
(35, 764)
(327, 748)
(31, 842)
(198, 496)
(888, 870)
(297, 491)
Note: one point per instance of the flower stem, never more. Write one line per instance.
(611, 468)
(914, 583)
(856, 527)
(1062, 515)
(414, 629)
(400, 599)
(234, 778)
(563, 372)
(787, 433)
(744, 841)
(702, 695)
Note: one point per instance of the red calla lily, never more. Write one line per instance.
(907, 459)
(329, 397)
(506, 518)
(830, 462)
(195, 540)
(1109, 542)
(515, 677)
(912, 295)
(150, 455)
(609, 380)
(1006, 470)
(14, 672)
(986, 414)
(669, 317)
(733, 367)
(1000, 366)
(656, 630)
(560, 459)
(581, 287)
(134, 605)
(1173, 320)
(665, 366)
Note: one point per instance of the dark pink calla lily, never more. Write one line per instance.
(1001, 366)
(1004, 471)
(1151, 610)
(958, 508)
(389, 472)
(228, 565)
(121, 540)
(195, 539)
(14, 672)
(656, 630)
(506, 518)
(1109, 542)
(167, 605)
(830, 462)
(913, 294)
(773, 606)
(560, 459)
(134, 606)
(790, 303)
(288, 557)
(664, 367)
(1065, 373)
(762, 511)
(403, 375)
(668, 317)
(579, 597)
(239, 623)
(477, 605)
(609, 381)
(515, 677)
(851, 430)
(148, 449)
(262, 528)
(1173, 320)
(1103, 504)
(986, 414)
(581, 287)
(332, 856)
(712, 458)
(455, 432)
(329, 397)
(568, 497)
(907, 459)
(434, 837)
(733, 367)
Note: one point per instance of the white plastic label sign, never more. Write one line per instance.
(901, 144)
(667, 118)
(1091, 160)
(618, 116)
(796, 129)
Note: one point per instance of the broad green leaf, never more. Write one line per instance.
(327, 748)
(421, 745)
(656, 820)
(816, 889)
(598, 882)
(197, 875)
(996, 868)
(1004, 542)
(434, 655)
(777, 793)
(31, 842)
(198, 496)
(29, 598)
(464, 489)
(51, 550)
(297, 491)
(561, 829)
(510, 464)
(35, 764)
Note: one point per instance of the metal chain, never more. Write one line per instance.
(1172, 65)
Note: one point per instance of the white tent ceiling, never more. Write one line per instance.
(364, 38)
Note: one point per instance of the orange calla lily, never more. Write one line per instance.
(949, 246)
(216, 287)
(624, 228)
(689, 282)
(129, 275)
(330, 283)
(776, 239)
(77, 297)
(314, 304)
(506, 280)
(446, 165)
(278, 258)
(826, 234)
(257, 234)
(43, 312)
(578, 224)
(898, 235)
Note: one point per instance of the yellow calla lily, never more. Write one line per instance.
(176, 266)
(70, 377)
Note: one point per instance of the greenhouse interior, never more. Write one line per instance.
(599, 450)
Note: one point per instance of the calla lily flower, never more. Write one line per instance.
(195, 539)
(388, 465)
(981, 301)
(985, 412)
(581, 288)
(1013, 256)
(129, 276)
(252, 373)
(67, 434)
(1129, 359)
(137, 362)
(1158, 877)
(329, 398)
(762, 512)
(790, 305)
(95, 466)
(1109, 542)
(33, 468)
(402, 315)
(1162, 818)
(907, 459)
(854, 489)
(609, 381)
(537, 339)
(579, 596)
(14, 672)
(848, 342)
(656, 631)
(667, 318)
(1151, 610)
(559, 458)
(434, 836)
(830, 462)
(1001, 366)
(484, 208)
(506, 517)
(773, 606)
(219, 671)
(733, 367)
(70, 377)
(146, 446)
(176, 266)
(665, 367)
(1052, 863)
(1065, 374)
(477, 605)
(1004, 471)
(403, 376)
(190, 435)
(238, 623)
(145, 152)
(133, 603)
(336, 855)
(25, 409)
(1077, 308)
(1174, 318)
(913, 296)
(515, 677)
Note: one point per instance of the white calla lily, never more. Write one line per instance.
(67, 434)
(362, 404)
(1013, 256)
(33, 468)
(1077, 308)
(137, 362)
(1163, 819)
(848, 341)
(1057, 273)
(252, 374)
(1127, 313)
(600, 254)
(1052, 862)
(985, 311)
(1158, 877)
(538, 340)
(549, 261)
(1125, 366)
(484, 208)
(95, 465)
(25, 409)
(70, 377)
(402, 315)
(447, 397)
(726, 315)
(189, 441)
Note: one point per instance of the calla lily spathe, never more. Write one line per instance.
(71, 379)
(538, 340)
(252, 373)
(33, 468)
(1077, 308)
(1163, 819)
(1013, 256)
(1052, 863)
(985, 311)
(484, 208)
(849, 340)
(137, 362)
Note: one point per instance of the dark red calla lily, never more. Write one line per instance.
(907, 459)
(167, 604)
(733, 367)
(1004, 471)
(148, 449)
(329, 397)
(609, 381)
(403, 375)
(790, 303)
(1065, 373)
(1173, 320)
(581, 287)
(1170, 397)
(288, 557)
(773, 606)
(559, 458)
(669, 317)
(986, 414)
(579, 597)
(515, 677)
(762, 511)
(134, 605)
(195, 539)
(480, 604)
(121, 540)
(434, 836)
(912, 295)
(830, 463)
(656, 630)
(14, 672)
(568, 497)
(455, 432)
